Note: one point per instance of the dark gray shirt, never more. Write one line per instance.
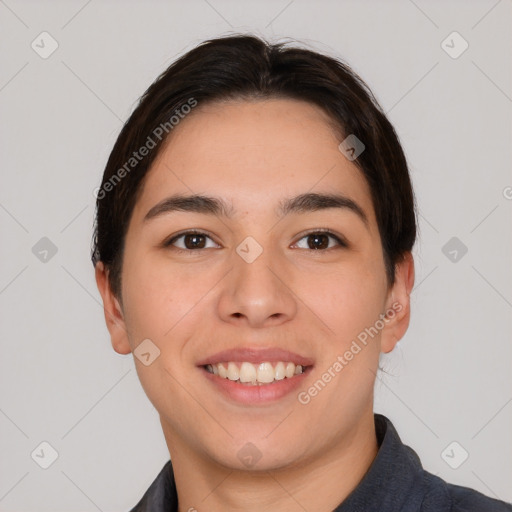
(394, 482)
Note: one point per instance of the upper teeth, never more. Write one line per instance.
(263, 373)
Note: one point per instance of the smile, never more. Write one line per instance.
(255, 374)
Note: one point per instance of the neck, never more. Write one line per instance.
(320, 484)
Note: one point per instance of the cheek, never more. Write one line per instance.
(348, 300)
(163, 299)
(350, 303)
(151, 302)
(156, 306)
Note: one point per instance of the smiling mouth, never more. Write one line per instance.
(249, 374)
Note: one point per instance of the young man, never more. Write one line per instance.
(253, 250)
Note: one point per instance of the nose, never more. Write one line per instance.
(259, 293)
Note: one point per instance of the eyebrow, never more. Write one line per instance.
(209, 205)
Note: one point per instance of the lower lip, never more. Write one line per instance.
(258, 394)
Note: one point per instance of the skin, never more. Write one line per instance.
(312, 302)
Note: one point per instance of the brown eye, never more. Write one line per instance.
(190, 241)
(194, 241)
(318, 241)
(321, 240)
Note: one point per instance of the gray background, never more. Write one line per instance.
(61, 382)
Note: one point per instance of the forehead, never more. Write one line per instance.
(254, 153)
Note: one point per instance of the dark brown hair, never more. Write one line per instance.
(247, 67)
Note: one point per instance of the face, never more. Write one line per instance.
(257, 285)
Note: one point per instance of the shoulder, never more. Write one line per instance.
(441, 496)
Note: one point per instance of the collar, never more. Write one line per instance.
(392, 480)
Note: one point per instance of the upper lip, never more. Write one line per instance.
(256, 355)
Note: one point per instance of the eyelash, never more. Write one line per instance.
(168, 243)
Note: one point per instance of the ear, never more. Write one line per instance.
(113, 312)
(398, 304)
